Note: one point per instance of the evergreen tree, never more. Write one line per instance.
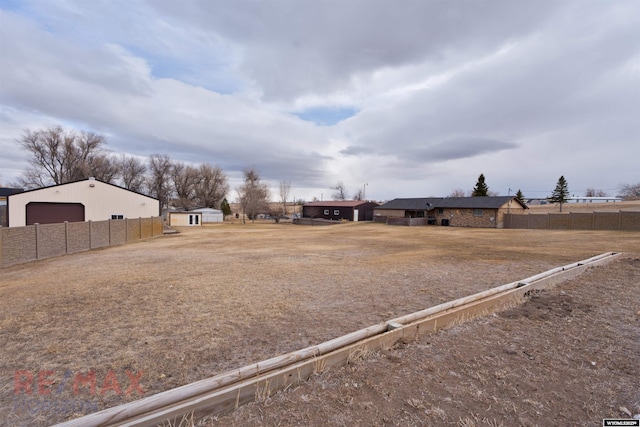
(520, 196)
(225, 208)
(481, 188)
(561, 193)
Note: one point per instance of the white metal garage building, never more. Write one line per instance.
(86, 200)
(210, 215)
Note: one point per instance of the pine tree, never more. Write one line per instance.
(520, 196)
(225, 208)
(481, 188)
(561, 193)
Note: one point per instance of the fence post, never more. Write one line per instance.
(37, 228)
(66, 237)
(619, 220)
(89, 234)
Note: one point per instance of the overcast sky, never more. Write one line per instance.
(410, 98)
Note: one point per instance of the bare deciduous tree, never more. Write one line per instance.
(58, 156)
(359, 195)
(629, 191)
(212, 187)
(159, 179)
(284, 189)
(132, 172)
(313, 212)
(592, 192)
(340, 191)
(185, 178)
(103, 167)
(253, 194)
(457, 192)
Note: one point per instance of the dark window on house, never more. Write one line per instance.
(440, 211)
(197, 219)
(336, 211)
(117, 216)
(477, 212)
(326, 211)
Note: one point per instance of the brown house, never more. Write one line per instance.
(336, 210)
(484, 212)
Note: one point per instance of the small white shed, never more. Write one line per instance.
(210, 215)
(185, 219)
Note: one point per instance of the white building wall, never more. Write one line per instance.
(100, 200)
(181, 219)
(210, 215)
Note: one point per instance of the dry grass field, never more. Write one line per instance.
(149, 316)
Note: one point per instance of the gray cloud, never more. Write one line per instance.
(460, 148)
(355, 150)
(464, 87)
(322, 47)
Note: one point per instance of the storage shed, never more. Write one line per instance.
(185, 219)
(210, 215)
(85, 200)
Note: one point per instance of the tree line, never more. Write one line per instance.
(58, 156)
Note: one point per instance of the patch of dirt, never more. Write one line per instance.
(568, 356)
(544, 306)
(92, 330)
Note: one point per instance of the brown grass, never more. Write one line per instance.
(188, 306)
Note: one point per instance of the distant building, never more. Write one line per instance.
(483, 212)
(185, 219)
(336, 210)
(210, 215)
(594, 199)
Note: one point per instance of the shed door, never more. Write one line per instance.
(355, 214)
(52, 213)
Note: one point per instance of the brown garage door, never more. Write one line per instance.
(51, 213)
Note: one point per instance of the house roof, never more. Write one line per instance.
(5, 192)
(338, 203)
(207, 210)
(428, 203)
(83, 180)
